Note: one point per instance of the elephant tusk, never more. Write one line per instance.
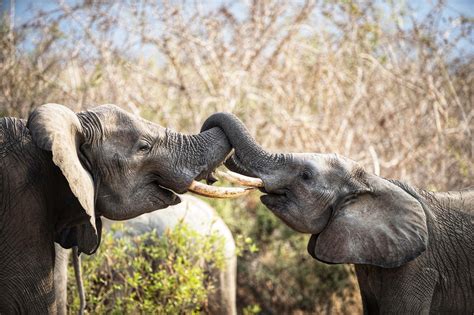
(218, 192)
(240, 179)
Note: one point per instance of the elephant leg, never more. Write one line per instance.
(365, 275)
(60, 278)
(411, 292)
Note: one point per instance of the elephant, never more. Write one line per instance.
(413, 250)
(61, 171)
(198, 215)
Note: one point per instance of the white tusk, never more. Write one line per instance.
(240, 179)
(218, 192)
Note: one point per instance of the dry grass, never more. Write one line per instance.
(369, 82)
(339, 77)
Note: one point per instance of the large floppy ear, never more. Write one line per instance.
(385, 226)
(57, 129)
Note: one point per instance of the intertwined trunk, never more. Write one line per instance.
(201, 153)
(250, 158)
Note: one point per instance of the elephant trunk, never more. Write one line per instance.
(250, 158)
(211, 147)
(204, 152)
(193, 157)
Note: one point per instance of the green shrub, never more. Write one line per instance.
(171, 274)
(281, 277)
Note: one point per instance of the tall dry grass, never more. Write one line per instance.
(345, 77)
(374, 82)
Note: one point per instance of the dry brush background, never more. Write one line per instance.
(370, 80)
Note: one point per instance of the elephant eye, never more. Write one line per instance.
(306, 175)
(144, 146)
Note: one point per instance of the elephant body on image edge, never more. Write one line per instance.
(196, 214)
(413, 250)
(61, 171)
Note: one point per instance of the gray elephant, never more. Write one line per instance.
(413, 250)
(61, 171)
(196, 214)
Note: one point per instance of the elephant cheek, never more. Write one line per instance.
(318, 223)
(312, 245)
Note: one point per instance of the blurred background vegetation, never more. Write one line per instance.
(148, 274)
(387, 83)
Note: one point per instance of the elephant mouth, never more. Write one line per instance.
(171, 197)
(288, 207)
(166, 195)
(274, 200)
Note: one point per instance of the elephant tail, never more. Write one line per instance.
(76, 262)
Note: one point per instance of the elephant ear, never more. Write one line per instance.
(57, 129)
(385, 227)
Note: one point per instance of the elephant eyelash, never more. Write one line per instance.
(306, 175)
(349, 200)
(144, 146)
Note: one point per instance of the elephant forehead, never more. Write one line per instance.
(310, 160)
(333, 171)
(320, 164)
(335, 165)
(118, 122)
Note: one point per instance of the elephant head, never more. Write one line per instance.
(119, 165)
(353, 216)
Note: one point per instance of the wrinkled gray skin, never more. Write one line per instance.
(413, 250)
(197, 215)
(61, 171)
